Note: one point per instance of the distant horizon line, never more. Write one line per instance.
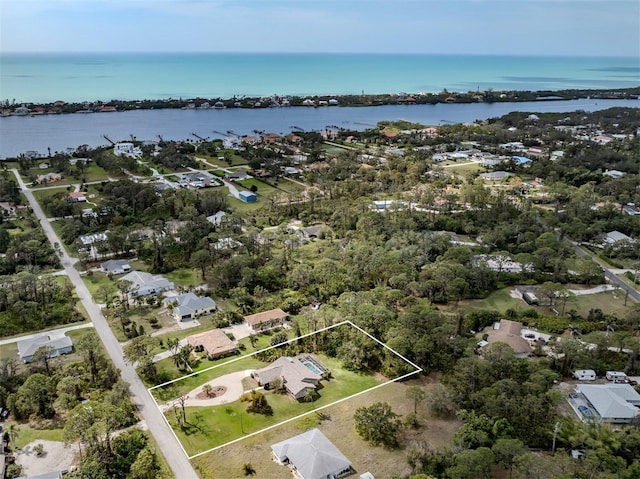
(243, 52)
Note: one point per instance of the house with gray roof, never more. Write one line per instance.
(614, 403)
(295, 377)
(115, 266)
(189, 306)
(143, 283)
(55, 344)
(311, 455)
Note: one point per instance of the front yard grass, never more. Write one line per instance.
(209, 427)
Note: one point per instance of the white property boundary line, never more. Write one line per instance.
(418, 369)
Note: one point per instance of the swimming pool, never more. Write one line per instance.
(314, 366)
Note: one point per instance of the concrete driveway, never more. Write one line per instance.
(233, 383)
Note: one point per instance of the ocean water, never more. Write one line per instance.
(40, 77)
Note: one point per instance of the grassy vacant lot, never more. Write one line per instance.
(285, 184)
(263, 189)
(213, 426)
(337, 424)
(609, 302)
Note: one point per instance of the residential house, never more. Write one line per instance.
(236, 176)
(614, 174)
(296, 378)
(501, 264)
(56, 344)
(47, 475)
(508, 332)
(631, 209)
(217, 219)
(495, 175)
(76, 197)
(215, 343)
(226, 243)
(115, 266)
(126, 149)
(143, 283)
(266, 319)
(189, 306)
(48, 178)
(311, 455)
(614, 403)
(614, 237)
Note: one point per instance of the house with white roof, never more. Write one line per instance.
(294, 376)
(217, 219)
(311, 455)
(189, 306)
(55, 344)
(143, 283)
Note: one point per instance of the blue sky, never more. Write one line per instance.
(513, 27)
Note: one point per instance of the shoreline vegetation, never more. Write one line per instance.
(14, 108)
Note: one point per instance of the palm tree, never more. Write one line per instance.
(13, 430)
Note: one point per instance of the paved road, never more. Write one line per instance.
(15, 339)
(610, 275)
(154, 419)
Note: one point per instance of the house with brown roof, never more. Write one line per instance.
(266, 319)
(508, 332)
(215, 343)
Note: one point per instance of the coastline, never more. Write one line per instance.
(318, 101)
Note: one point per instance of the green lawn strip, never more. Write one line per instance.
(214, 426)
(27, 434)
(95, 280)
(184, 277)
(91, 173)
(263, 189)
(242, 207)
(42, 194)
(291, 187)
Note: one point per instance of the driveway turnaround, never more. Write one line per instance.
(167, 442)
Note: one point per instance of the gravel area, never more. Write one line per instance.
(56, 457)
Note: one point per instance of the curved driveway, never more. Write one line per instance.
(162, 433)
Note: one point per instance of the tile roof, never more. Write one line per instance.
(215, 342)
(265, 316)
